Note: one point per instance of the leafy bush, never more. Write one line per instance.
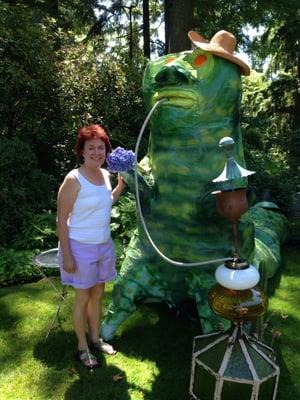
(31, 121)
(24, 188)
(38, 233)
(29, 85)
(50, 84)
(271, 181)
(16, 267)
(123, 223)
(16, 263)
(110, 93)
(266, 125)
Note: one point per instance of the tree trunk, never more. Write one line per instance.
(146, 28)
(167, 6)
(130, 34)
(179, 19)
(295, 140)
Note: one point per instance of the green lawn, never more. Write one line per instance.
(155, 347)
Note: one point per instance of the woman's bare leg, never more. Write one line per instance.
(79, 316)
(94, 310)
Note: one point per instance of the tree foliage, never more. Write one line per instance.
(266, 139)
(52, 82)
(24, 187)
(280, 43)
(66, 63)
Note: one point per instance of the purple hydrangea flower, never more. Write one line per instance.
(120, 160)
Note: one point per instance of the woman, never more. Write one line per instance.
(86, 250)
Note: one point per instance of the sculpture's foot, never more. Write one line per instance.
(107, 332)
(111, 323)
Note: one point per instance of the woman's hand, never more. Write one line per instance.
(121, 185)
(69, 264)
(121, 182)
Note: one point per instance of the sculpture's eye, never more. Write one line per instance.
(199, 60)
(170, 59)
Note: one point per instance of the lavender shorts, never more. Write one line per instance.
(96, 263)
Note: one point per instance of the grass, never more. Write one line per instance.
(284, 310)
(155, 346)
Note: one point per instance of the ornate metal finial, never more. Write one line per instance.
(232, 169)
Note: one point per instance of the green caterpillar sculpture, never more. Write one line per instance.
(203, 92)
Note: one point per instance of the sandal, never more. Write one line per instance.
(87, 359)
(104, 347)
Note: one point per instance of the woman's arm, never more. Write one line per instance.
(121, 185)
(67, 195)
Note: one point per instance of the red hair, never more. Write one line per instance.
(88, 133)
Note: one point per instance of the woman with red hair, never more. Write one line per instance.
(86, 250)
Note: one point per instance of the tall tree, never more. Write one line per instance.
(146, 28)
(179, 19)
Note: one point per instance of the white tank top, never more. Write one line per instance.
(89, 221)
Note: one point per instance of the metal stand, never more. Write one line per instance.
(62, 297)
(49, 259)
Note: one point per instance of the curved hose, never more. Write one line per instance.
(169, 260)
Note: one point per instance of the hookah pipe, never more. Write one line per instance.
(231, 204)
(242, 361)
(235, 296)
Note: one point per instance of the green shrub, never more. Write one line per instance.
(24, 188)
(123, 223)
(272, 180)
(38, 232)
(267, 130)
(16, 263)
(110, 93)
(16, 267)
(29, 85)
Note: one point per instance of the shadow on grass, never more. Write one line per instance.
(57, 351)
(171, 354)
(66, 378)
(289, 258)
(274, 282)
(11, 317)
(104, 383)
(58, 354)
(286, 387)
(168, 343)
(19, 319)
(11, 350)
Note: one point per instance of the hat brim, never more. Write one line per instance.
(219, 51)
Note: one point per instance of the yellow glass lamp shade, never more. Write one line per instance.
(238, 305)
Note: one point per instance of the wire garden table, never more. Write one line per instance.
(49, 259)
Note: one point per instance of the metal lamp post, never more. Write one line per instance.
(233, 365)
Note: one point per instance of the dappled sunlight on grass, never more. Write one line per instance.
(284, 316)
(23, 380)
(286, 300)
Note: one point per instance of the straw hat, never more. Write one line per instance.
(222, 44)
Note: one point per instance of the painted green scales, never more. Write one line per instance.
(202, 93)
